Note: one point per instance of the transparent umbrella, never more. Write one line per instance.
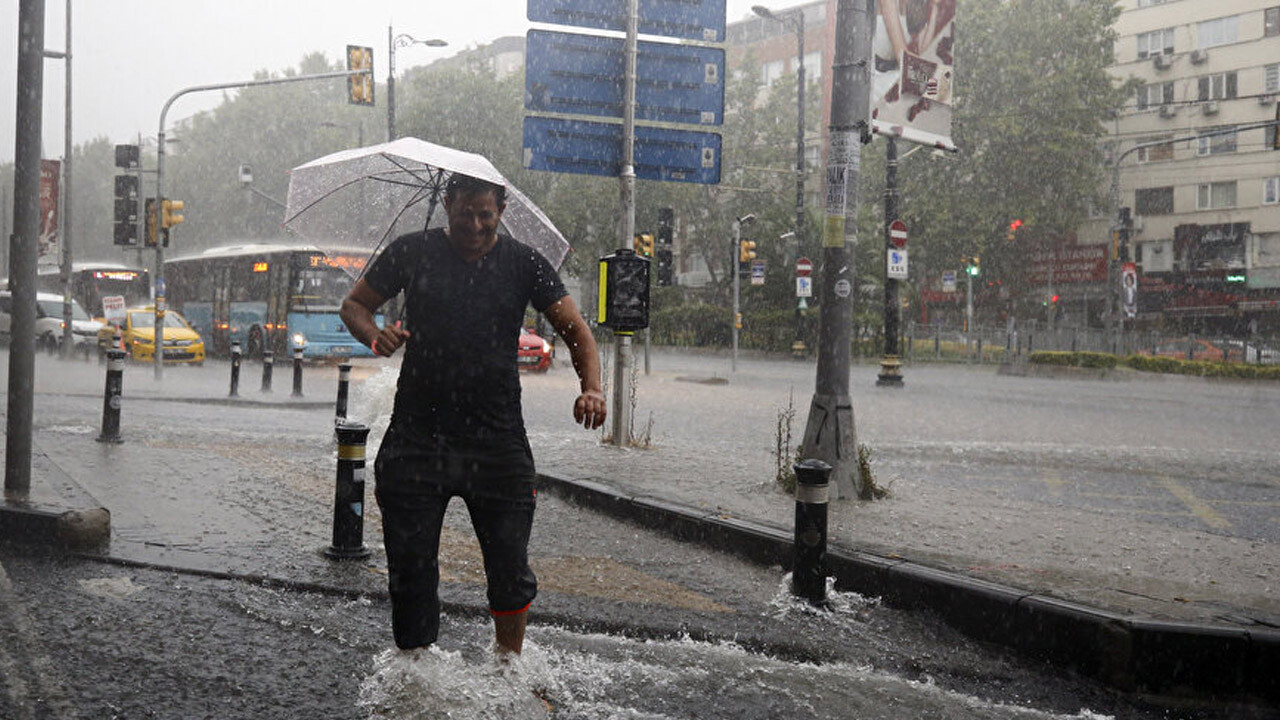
(368, 196)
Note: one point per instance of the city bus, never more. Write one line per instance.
(92, 281)
(268, 297)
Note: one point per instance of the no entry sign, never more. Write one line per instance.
(898, 234)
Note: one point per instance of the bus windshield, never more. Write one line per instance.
(131, 284)
(318, 289)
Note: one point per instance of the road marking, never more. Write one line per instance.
(1199, 507)
(1054, 480)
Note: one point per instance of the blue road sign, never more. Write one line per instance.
(595, 148)
(583, 75)
(686, 19)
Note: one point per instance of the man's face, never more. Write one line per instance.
(473, 221)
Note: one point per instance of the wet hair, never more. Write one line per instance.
(467, 185)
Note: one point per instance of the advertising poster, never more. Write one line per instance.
(47, 245)
(1129, 289)
(911, 83)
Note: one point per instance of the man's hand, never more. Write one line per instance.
(590, 409)
(388, 340)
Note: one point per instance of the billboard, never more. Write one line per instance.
(913, 77)
(1211, 247)
(47, 245)
(1068, 265)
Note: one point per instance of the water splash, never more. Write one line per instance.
(842, 608)
(431, 683)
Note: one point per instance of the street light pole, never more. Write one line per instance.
(394, 41)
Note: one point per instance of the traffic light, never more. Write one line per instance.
(1012, 234)
(125, 224)
(170, 214)
(150, 230)
(746, 251)
(127, 156)
(624, 291)
(643, 244)
(973, 265)
(360, 87)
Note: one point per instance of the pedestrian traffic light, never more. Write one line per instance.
(169, 213)
(624, 291)
(125, 221)
(1012, 234)
(643, 244)
(746, 251)
(973, 266)
(127, 156)
(360, 87)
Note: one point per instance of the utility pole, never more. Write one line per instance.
(890, 363)
(64, 212)
(829, 433)
(22, 248)
(626, 229)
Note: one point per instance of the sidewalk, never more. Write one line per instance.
(224, 525)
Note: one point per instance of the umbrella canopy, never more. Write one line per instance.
(367, 196)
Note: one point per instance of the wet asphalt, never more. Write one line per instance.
(214, 598)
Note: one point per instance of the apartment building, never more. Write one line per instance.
(1200, 177)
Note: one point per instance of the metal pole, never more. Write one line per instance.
(235, 370)
(626, 229)
(268, 363)
(890, 364)
(391, 86)
(344, 384)
(968, 314)
(297, 372)
(22, 247)
(797, 348)
(68, 335)
(733, 268)
(829, 432)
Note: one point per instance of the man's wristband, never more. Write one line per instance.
(374, 345)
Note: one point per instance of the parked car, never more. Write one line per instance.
(1252, 352)
(50, 324)
(137, 332)
(534, 353)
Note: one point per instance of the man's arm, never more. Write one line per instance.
(357, 312)
(590, 407)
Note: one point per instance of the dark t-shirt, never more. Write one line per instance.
(459, 376)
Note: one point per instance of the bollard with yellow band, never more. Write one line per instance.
(809, 572)
(111, 397)
(348, 499)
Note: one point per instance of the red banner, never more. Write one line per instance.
(1069, 264)
(50, 173)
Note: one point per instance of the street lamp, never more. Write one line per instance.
(394, 41)
(795, 20)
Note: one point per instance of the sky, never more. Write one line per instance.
(130, 56)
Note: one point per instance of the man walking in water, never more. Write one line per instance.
(457, 427)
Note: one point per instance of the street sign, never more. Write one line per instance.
(804, 286)
(898, 234)
(595, 148)
(898, 264)
(757, 272)
(583, 75)
(686, 19)
(804, 267)
(948, 281)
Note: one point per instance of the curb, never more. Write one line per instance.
(1131, 654)
(49, 525)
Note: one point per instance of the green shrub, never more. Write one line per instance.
(1202, 368)
(1074, 359)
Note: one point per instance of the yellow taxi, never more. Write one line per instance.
(137, 332)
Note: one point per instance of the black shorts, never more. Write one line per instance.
(417, 474)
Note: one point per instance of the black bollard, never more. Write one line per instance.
(111, 398)
(809, 572)
(267, 361)
(297, 372)
(348, 499)
(235, 370)
(344, 383)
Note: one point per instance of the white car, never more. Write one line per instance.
(49, 323)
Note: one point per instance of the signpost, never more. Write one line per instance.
(948, 281)
(898, 264)
(757, 272)
(898, 234)
(609, 77)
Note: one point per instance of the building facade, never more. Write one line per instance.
(1194, 166)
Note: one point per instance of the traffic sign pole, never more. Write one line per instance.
(895, 237)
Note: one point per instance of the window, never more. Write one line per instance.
(1220, 86)
(1218, 32)
(1211, 196)
(1217, 141)
(1157, 94)
(1271, 21)
(1271, 190)
(772, 71)
(1157, 42)
(1272, 74)
(812, 66)
(1155, 153)
(1153, 201)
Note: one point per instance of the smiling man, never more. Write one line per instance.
(457, 427)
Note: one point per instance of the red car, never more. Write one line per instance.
(534, 353)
